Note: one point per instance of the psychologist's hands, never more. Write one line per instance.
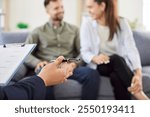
(56, 72)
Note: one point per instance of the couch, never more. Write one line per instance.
(72, 89)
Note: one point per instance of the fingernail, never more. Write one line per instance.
(132, 84)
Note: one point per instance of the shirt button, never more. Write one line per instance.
(58, 45)
(58, 35)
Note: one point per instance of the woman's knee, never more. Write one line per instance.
(117, 59)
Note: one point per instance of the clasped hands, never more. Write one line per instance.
(101, 59)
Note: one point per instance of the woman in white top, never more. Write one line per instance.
(107, 45)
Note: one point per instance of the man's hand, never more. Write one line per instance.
(55, 73)
(40, 65)
(101, 59)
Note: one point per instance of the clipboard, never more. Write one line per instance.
(11, 57)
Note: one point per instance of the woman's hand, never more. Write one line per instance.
(101, 59)
(136, 84)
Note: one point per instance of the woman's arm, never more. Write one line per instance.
(88, 41)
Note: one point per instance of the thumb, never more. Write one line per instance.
(59, 60)
(129, 89)
(133, 80)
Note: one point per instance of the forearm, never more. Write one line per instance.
(29, 88)
(32, 61)
(138, 72)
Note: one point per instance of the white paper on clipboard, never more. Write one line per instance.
(11, 57)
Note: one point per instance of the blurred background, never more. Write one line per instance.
(28, 14)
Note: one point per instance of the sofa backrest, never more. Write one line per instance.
(142, 40)
(13, 37)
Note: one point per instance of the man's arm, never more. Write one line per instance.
(77, 42)
(32, 60)
(77, 47)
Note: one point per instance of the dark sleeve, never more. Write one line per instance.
(28, 88)
(1, 94)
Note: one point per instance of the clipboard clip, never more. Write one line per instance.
(14, 45)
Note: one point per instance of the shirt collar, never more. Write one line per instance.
(94, 23)
(50, 23)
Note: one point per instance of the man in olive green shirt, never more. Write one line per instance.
(52, 42)
(57, 38)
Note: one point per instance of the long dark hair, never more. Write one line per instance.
(111, 16)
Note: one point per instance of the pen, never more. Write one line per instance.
(69, 60)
